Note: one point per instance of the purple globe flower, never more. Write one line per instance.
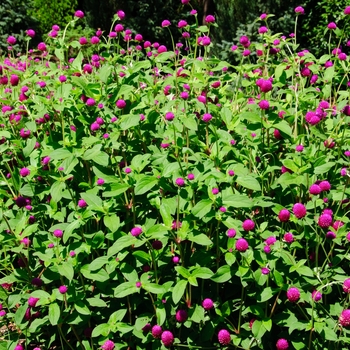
(284, 215)
(282, 344)
(224, 337)
(32, 301)
(180, 182)
(316, 295)
(63, 289)
(346, 286)
(79, 14)
(58, 233)
(207, 117)
(108, 345)
(264, 104)
(136, 231)
(121, 104)
(157, 331)
(181, 316)
(242, 245)
(325, 220)
(207, 304)
(167, 338)
(248, 225)
(299, 210)
(82, 203)
(24, 172)
(344, 318)
(293, 294)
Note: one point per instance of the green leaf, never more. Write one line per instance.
(154, 288)
(94, 202)
(56, 190)
(304, 271)
(54, 313)
(20, 312)
(178, 291)
(200, 239)
(190, 123)
(124, 289)
(202, 208)
(66, 270)
(249, 182)
(323, 169)
(121, 243)
(284, 127)
(76, 64)
(128, 121)
(96, 302)
(202, 272)
(182, 271)
(60, 153)
(266, 294)
(82, 308)
(101, 329)
(117, 316)
(27, 150)
(112, 222)
(98, 263)
(238, 201)
(258, 330)
(69, 229)
(223, 274)
(116, 190)
(145, 184)
(161, 315)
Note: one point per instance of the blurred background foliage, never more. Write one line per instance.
(234, 18)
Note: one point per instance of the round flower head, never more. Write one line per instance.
(263, 104)
(167, 338)
(270, 240)
(224, 337)
(121, 14)
(347, 10)
(325, 220)
(325, 185)
(166, 23)
(121, 104)
(346, 286)
(58, 233)
(248, 225)
(282, 344)
(82, 203)
(284, 215)
(215, 190)
(100, 182)
(180, 182)
(293, 294)
(63, 289)
(316, 295)
(231, 233)
(315, 189)
(331, 25)
(79, 14)
(207, 117)
(299, 210)
(299, 10)
(344, 318)
(24, 172)
(32, 301)
(108, 345)
(242, 245)
(136, 231)
(169, 116)
(19, 347)
(207, 304)
(265, 271)
(11, 40)
(181, 316)
(299, 148)
(157, 331)
(157, 245)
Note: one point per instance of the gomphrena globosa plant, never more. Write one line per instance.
(156, 197)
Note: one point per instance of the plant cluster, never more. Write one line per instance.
(157, 197)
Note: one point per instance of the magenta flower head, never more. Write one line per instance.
(248, 225)
(167, 339)
(264, 85)
(231, 233)
(282, 344)
(299, 148)
(32, 301)
(166, 23)
(344, 318)
(82, 203)
(325, 185)
(284, 215)
(63, 289)
(215, 191)
(209, 19)
(41, 46)
(157, 331)
(299, 210)
(207, 304)
(299, 10)
(58, 233)
(262, 30)
(181, 316)
(24, 172)
(182, 23)
(346, 286)
(79, 14)
(108, 345)
(242, 245)
(325, 220)
(207, 117)
(100, 182)
(316, 295)
(347, 10)
(169, 116)
(121, 104)
(224, 337)
(331, 25)
(19, 347)
(11, 40)
(293, 294)
(180, 182)
(30, 33)
(136, 231)
(264, 104)
(315, 189)
(121, 14)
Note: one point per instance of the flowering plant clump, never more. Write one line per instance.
(157, 197)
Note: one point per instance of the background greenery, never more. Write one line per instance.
(232, 17)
